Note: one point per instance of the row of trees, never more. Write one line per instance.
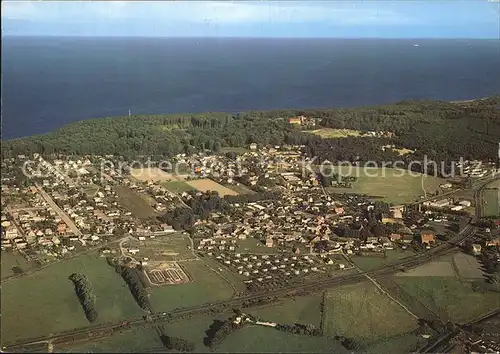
(85, 293)
(133, 280)
(219, 330)
(297, 328)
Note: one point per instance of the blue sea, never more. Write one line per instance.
(48, 82)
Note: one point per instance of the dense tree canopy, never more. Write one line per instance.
(440, 130)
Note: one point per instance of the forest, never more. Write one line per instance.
(441, 130)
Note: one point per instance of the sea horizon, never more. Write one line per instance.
(51, 81)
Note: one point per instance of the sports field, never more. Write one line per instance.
(206, 185)
(395, 186)
(205, 286)
(330, 133)
(45, 301)
(363, 313)
(370, 263)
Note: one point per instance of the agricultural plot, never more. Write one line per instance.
(178, 186)
(136, 203)
(367, 263)
(240, 188)
(257, 339)
(395, 186)
(154, 174)
(45, 301)
(13, 263)
(491, 201)
(139, 340)
(363, 313)
(205, 185)
(205, 286)
(468, 267)
(449, 298)
(173, 247)
(431, 269)
(169, 273)
(330, 133)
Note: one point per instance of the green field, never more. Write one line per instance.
(364, 314)
(491, 199)
(449, 298)
(177, 186)
(135, 202)
(10, 260)
(136, 341)
(170, 247)
(268, 340)
(401, 343)
(301, 309)
(45, 301)
(330, 133)
(370, 263)
(206, 287)
(396, 186)
(240, 188)
(230, 275)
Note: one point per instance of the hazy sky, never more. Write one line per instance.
(390, 19)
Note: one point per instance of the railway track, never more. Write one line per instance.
(107, 329)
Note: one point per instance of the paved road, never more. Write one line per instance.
(59, 211)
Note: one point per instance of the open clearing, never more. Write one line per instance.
(449, 298)
(154, 174)
(330, 133)
(45, 301)
(363, 313)
(173, 247)
(177, 186)
(369, 263)
(206, 286)
(205, 185)
(396, 186)
(134, 202)
(431, 269)
(468, 266)
(9, 260)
